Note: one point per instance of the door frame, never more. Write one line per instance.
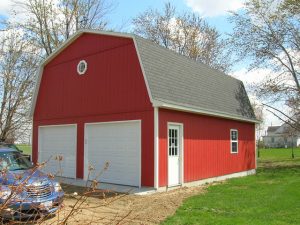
(181, 152)
(59, 125)
(86, 147)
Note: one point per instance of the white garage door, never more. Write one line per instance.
(55, 141)
(117, 143)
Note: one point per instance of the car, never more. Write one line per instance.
(10, 145)
(25, 191)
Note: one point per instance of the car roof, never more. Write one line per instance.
(7, 149)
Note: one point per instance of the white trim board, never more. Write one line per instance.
(190, 109)
(59, 125)
(117, 121)
(211, 180)
(149, 191)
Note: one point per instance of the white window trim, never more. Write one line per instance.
(233, 141)
(78, 67)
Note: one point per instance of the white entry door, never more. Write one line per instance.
(57, 141)
(119, 145)
(174, 151)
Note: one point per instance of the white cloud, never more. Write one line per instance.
(15, 11)
(5, 7)
(211, 8)
(254, 76)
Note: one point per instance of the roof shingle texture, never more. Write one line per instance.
(176, 79)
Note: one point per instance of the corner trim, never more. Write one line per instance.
(36, 89)
(256, 147)
(156, 147)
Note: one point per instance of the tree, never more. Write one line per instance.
(27, 41)
(50, 22)
(259, 127)
(291, 6)
(259, 114)
(187, 34)
(18, 63)
(267, 33)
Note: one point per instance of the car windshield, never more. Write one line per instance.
(14, 161)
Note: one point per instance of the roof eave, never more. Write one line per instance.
(161, 104)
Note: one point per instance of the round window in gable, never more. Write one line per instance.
(82, 67)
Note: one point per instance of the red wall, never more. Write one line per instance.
(112, 89)
(207, 146)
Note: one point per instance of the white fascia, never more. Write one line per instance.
(161, 104)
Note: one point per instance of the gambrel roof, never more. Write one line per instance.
(176, 82)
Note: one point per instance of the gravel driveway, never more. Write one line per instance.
(112, 208)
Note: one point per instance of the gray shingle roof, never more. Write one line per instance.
(178, 80)
(272, 128)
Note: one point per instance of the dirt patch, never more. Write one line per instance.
(123, 209)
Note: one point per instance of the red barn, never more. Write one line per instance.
(158, 118)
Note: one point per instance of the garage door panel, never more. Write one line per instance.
(119, 144)
(53, 165)
(115, 173)
(114, 165)
(54, 141)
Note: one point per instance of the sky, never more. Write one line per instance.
(215, 12)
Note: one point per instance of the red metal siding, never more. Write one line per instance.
(207, 146)
(113, 89)
(113, 82)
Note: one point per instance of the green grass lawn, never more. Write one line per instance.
(25, 148)
(279, 157)
(272, 196)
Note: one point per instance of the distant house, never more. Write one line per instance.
(281, 137)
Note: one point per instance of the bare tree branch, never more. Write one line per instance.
(186, 33)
